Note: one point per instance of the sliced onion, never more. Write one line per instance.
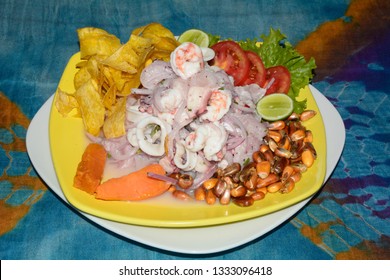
(162, 178)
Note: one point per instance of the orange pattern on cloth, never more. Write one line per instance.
(333, 42)
(11, 214)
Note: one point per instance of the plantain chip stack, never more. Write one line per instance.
(107, 72)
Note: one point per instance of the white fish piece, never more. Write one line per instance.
(197, 100)
(249, 95)
(187, 60)
(151, 133)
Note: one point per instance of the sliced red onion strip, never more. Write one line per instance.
(234, 142)
(162, 178)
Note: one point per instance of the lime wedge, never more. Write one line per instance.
(195, 36)
(276, 106)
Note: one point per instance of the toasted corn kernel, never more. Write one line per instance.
(271, 178)
(287, 173)
(229, 182)
(288, 186)
(310, 147)
(298, 135)
(269, 156)
(200, 193)
(275, 135)
(258, 156)
(285, 143)
(231, 169)
(307, 114)
(225, 197)
(181, 195)
(210, 183)
(296, 176)
(293, 117)
(257, 195)
(272, 145)
(244, 201)
(275, 187)
(263, 148)
(263, 169)
(292, 127)
(185, 181)
(278, 125)
(210, 197)
(308, 137)
(263, 190)
(251, 183)
(299, 167)
(279, 165)
(220, 188)
(280, 152)
(307, 157)
(238, 191)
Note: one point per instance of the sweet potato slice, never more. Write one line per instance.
(90, 169)
(134, 186)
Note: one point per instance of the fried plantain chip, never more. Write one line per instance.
(114, 126)
(89, 69)
(96, 41)
(130, 56)
(81, 77)
(153, 31)
(91, 106)
(110, 97)
(66, 103)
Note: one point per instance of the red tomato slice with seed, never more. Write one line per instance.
(281, 79)
(257, 71)
(230, 57)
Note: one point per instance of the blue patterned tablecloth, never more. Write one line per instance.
(348, 219)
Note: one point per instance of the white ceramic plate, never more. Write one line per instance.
(203, 239)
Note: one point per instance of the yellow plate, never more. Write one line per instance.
(67, 143)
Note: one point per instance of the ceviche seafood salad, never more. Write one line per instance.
(190, 119)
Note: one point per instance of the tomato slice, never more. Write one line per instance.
(281, 82)
(257, 72)
(230, 57)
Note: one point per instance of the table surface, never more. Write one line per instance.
(348, 219)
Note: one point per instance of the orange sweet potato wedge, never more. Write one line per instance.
(90, 169)
(133, 186)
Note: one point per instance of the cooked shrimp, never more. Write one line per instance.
(209, 137)
(217, 106)
(187, 60)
